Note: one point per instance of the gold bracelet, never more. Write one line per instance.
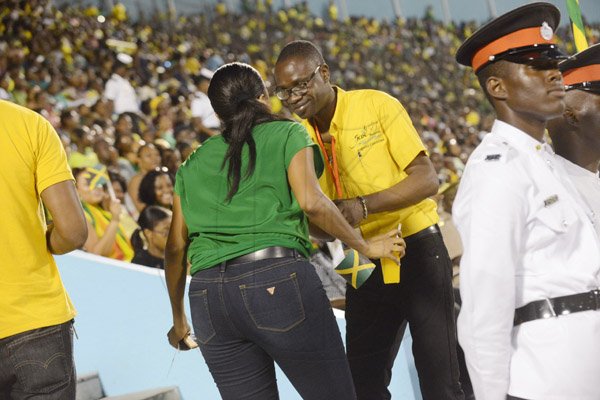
(363, 203)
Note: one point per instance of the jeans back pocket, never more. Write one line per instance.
(43, 359)
(203, 327)
(274, 306)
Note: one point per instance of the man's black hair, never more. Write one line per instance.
(498, 69)
(301, 49)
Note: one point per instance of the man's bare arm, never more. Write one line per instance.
(68, 230)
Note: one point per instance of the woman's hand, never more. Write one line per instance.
(180, 336)
(115, 209)
(389, 245)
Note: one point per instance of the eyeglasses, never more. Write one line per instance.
(298, 90)
(591, 87)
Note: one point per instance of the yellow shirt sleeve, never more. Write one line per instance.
(51, 165)
(403, 139)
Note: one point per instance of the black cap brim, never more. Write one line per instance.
(589, 56)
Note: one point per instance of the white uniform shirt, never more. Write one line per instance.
(526, 237)
(201, 108)
(588, 186)
(120, 91)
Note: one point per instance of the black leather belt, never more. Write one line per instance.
(430, 230)
(557, 306)
(269, 252)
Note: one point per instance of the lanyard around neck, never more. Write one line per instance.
(332, 164)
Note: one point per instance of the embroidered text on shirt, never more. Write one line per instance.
(492, 157)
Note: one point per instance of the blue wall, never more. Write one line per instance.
(122, 322)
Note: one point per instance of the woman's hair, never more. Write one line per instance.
(148, 219)
(183, 147)
(234, 93)
(76, 171)
(144, 146)
(146, 192)
(117, 177)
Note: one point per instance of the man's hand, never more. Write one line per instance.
(351, 209)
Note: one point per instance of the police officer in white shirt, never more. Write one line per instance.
(576, 135)
(529, 325)
(119, 90)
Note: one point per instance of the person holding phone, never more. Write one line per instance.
(240, 214)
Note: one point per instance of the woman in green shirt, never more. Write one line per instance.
(240, 213)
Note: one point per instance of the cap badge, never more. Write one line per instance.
(546, 31)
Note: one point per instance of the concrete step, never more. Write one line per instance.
(89, 387)
(166, 393)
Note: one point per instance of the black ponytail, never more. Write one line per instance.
(234, 93)
(137, 242)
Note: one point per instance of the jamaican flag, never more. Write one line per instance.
(577, 24)
(355, 268)
(96, 176)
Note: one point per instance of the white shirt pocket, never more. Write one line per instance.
(553, 212)
(551, 219)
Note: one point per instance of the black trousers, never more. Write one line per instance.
(375, 314)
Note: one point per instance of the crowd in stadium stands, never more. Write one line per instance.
(129, 94)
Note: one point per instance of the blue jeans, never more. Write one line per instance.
(375, 317)
(248, 316)
(38, 364)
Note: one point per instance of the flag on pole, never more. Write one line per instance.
(97, 176)
(577, 24)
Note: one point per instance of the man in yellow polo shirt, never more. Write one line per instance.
(380, 176)
(36, 356)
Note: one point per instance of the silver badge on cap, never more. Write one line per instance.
(546, 31)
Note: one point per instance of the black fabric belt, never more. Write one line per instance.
(263, 254)
(430, 230)
(557, 306)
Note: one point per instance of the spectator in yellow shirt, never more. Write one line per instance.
(380, 176)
